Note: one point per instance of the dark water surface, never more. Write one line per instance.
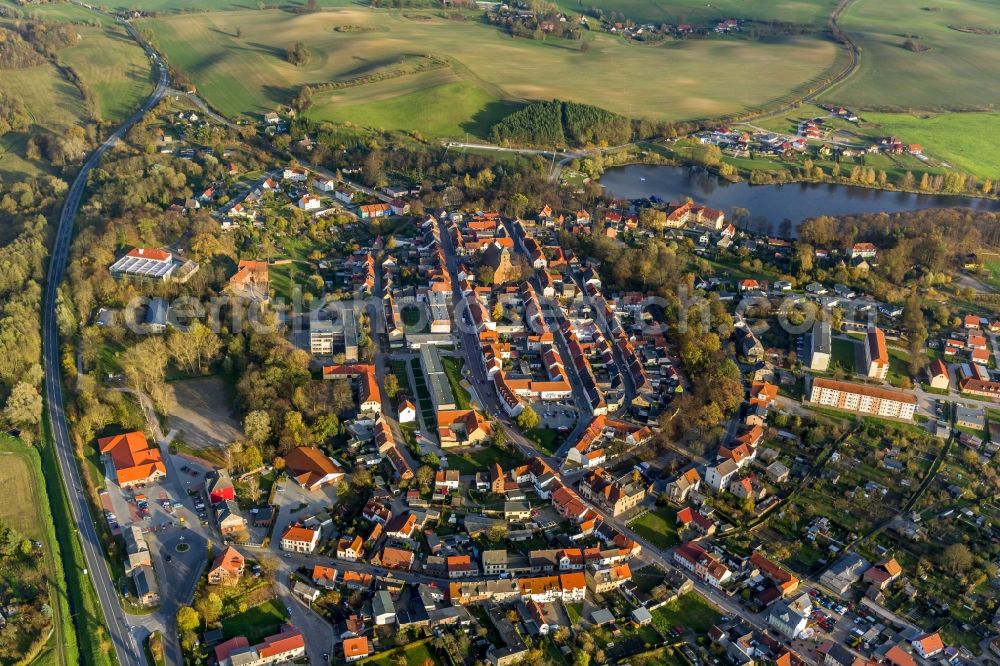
(770, 204)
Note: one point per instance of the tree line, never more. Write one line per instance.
(24, 205)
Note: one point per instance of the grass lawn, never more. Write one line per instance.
(417, 654)
(842, 354)
(453, 369)
(256, 623)
(423, 395)
(805, 557)
(575, 612)
(486, 70)
(478, 460)
(647, 578)
(399, 369)
(546, 439)
(964, 140)
(410, 315)
(658, 526)
(690, 611)
(957, 71)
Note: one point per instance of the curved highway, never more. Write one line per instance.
(127, 649)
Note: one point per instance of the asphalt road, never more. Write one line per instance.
(126, 647)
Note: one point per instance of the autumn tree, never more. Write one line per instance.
(209, 607)
(145, 368)
(527, 419)
(391, 385)
(252, 486)
(956, 558)
(298, 54)
(24, 406)
(916, 332)
(194, 349)
(188, 619)
(257, 426)
(250, 458)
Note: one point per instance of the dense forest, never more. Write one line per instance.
(558, 123)
(23, 208)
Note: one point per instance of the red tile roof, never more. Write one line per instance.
(133, 459)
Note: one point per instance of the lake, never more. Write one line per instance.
(770, 204)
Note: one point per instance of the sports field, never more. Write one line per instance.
(699, 12)
(677, 80)
(959, 70)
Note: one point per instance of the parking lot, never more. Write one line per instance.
(295, 503)
(556, 414)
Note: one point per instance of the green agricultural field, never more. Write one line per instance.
(174, 6)
(57, 12)
(698, 12)
(486, 70)
(54, 105)
(959, 70)
(113, 67)
(968, 141)
(445, 107)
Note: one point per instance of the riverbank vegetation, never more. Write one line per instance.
(815, 164)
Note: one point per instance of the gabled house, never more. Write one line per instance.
(351, 550)
(299, 539)
(227, 568)
(678, 489)
(928, 645)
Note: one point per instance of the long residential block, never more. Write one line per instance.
(862, 398)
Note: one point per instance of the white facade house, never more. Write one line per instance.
(718, 476)
(310, 202)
